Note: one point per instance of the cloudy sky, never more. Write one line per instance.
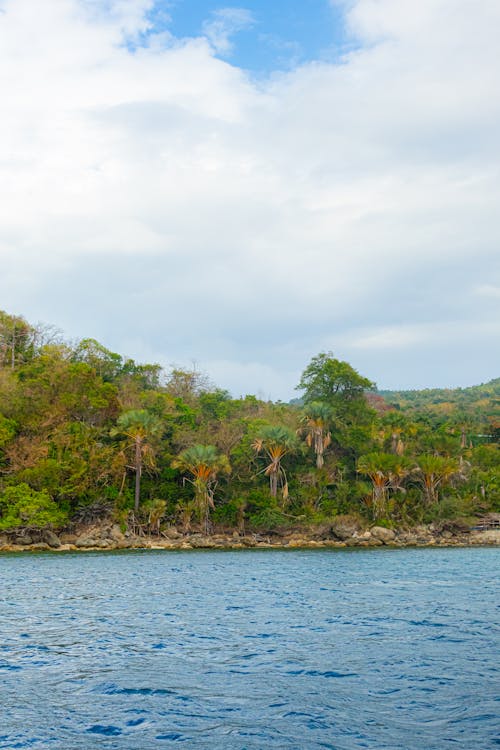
(246, 186)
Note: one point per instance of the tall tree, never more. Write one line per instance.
(275, 442)
(386, 472)
(332, 381)
(141, 427)
(316, 419)
(433, 473)
(204, 464)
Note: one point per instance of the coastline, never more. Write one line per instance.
(102, 538)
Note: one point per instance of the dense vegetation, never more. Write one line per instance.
(85, 432)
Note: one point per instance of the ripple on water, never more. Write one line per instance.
(250, 650)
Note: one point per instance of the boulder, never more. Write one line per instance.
(382, 534)
(51, 539)
(87, 540)
(23, 540)
(344, 529)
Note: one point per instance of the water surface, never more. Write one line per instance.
(378, 649)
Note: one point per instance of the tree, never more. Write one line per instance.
(141, 427)
(21, 507)
(275, 442)
(16, 340)
(433, 473)
(203, 463)
(386, 472)
(396, 423)
(108, 365)
(187, 384)
(332, 381)
(316, 418)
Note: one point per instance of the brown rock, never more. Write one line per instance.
(116, 534)
(382, 534)
(50, 538)
(492, 536)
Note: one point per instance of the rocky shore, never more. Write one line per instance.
(340, 535)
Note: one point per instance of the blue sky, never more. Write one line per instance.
(272, 35)
(245, 186)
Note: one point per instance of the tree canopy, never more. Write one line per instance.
(84, 428)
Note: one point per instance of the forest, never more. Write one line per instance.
(86, 433)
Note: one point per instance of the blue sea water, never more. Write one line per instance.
(249, 649)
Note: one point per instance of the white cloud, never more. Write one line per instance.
(223, 24)
(488, 290)
(159, 195)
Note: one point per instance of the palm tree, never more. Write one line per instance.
(386, 472)
(316, 417)
(141, 427)
(275, 442)
(203, 463)
(435, 472)
(397, 425)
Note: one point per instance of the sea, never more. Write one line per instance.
(298, 649)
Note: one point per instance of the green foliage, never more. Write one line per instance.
(332, 381)
(77, 422)
(7, 430)
(21, 506)
(203, 464)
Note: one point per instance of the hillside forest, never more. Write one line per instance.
(86, 433)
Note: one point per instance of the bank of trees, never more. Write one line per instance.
(85, 431)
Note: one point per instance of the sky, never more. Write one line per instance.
(240, 187)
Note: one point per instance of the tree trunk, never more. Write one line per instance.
(273, 482)
(138, 472)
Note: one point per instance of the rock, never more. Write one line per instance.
(116, 534)
(492, 536)
(125, 544)
(344, 529)
(91, 541)
(172, 533)
(248, 541)
(408, 538)
(382, 534)
(40, 546)
(201, 542)
(298, 542)
(85, 541)
(67, 538)
(352, 541)
(373, 542)
(23, 540)
(51, 539)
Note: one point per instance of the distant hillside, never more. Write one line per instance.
(477, 401)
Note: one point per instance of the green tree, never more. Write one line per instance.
(386, 472)
(333, 381)
(316, 420)
(204, 464)
(433, 473)
(21, 506)
(16, 340)
(141, 427)
(275, 442)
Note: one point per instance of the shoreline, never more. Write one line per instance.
(112, 539)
